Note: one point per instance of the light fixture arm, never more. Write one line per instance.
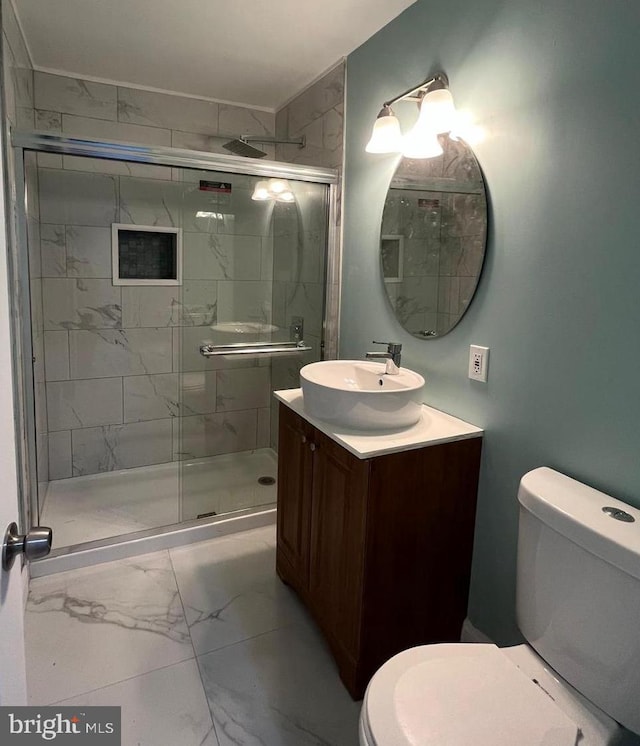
(409, 94)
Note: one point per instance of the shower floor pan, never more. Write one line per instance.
(131, 502)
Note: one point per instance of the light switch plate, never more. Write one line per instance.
(478, 363)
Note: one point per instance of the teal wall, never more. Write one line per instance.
(556, 84)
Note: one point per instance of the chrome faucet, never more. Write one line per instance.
(392, 356)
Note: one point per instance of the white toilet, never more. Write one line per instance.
(578, 607)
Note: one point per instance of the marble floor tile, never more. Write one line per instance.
(230, 590)
(167, 706)
(279, 689)
(116, 634)
(96, 626)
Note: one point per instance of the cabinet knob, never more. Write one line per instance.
(313, 446)
(303, 439)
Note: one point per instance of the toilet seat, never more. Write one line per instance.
(456, 695)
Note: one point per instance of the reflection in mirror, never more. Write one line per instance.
(433, 237)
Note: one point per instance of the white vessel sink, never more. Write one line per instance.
(227, 332)
(244, 327)
(360, 395)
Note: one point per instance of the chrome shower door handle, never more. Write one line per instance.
(34, 545)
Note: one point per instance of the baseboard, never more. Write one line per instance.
(473, 634)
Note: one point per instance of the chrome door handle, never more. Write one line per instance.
(34, 544)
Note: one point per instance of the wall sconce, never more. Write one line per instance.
(437, 116)
(273, 189)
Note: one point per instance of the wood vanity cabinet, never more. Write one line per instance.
(379, 549)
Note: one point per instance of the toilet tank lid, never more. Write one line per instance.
(576, 511)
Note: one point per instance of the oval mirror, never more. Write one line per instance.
(433, 238)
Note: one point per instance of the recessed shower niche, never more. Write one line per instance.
(146, 255)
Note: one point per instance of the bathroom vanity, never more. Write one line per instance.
(375, 532)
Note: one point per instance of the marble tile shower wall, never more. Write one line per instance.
(81, 108)
(125, 383)
(317, 113)
(17, 72)
(74, 256)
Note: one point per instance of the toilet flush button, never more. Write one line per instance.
(619, 515)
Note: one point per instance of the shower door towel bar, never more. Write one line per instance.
(254, 348)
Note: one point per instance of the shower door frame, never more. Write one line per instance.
(24, 392)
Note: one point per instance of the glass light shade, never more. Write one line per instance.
(276, 186)
(212, 215)
(437, 111)
(286, 196)
(466, 129)
(421, 143)
(261, 191)
(386, 136)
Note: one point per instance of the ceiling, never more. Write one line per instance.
(249, 52)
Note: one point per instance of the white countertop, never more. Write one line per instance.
(435, 427)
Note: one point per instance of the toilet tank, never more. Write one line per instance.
(578, 589)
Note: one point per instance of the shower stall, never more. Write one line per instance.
(162, 296)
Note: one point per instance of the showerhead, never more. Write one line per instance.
(242, 147)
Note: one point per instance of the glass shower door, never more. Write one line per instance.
(132, 269)
(253, 283)
(105, 294)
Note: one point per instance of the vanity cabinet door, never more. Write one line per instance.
(338, 520)
(295, 469)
